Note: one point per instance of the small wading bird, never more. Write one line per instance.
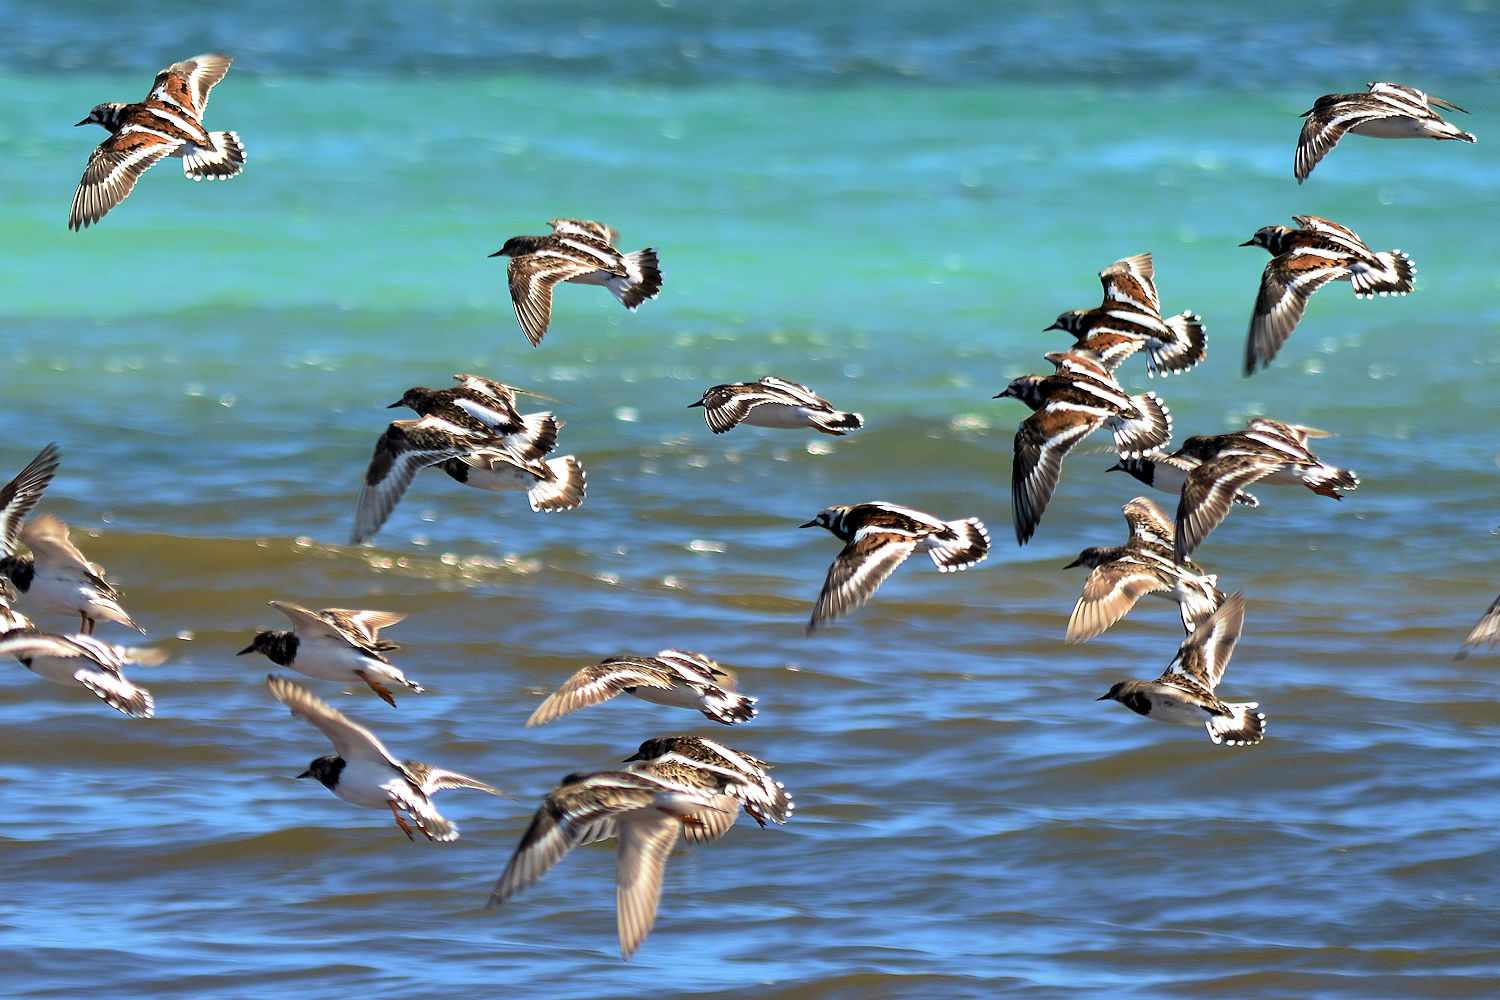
(169, 122)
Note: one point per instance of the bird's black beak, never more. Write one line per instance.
(306, 774)
(498, 253)
(1103, 697)
(84, 122)
(248, 649)
(691, 405)
(1002, 395)
(1248, 243)
(635, 756)
(1074, 563)
(1117, 467)
(1054, 326)
(393, 406)
(810, 524)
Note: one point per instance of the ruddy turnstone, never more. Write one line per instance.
(1385, 111)
(877, 538)
(579, 251)
(57, 577)
(471, 458)
(671, 677)
(646, 813)
(84, 661)
(1305, 259)
(1123, 574)
(486, 408)
(1130, 318)
(1067, 407)
(735, 773)
(1184, 693)
(363, 772)
(336, 644)
(773, 402)
(169, 122)
(1266, 449)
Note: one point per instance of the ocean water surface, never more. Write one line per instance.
(888, 206)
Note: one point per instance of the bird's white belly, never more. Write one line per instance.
(593, 278)
(1178, 712)
(1400, 127)
(332, 663)
(61, 592)
(362, 783)
(778, 415)
(677, 697)
(501, 479)
(58, 670)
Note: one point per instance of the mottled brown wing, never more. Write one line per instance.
(1132, 280)
(113, 168)
(187, 83)
(1148, 522)
(1109, 593)
(1205, 653)
(599, 683)
(1042, 442)
(1207, 494)
(532, 278)
(862, 566)
(1285, 286)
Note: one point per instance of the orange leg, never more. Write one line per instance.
(400, 820)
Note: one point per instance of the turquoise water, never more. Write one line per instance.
(889, 207)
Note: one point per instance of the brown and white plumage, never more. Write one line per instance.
(58, 577)
(1228, 463)
(528, 436)
(1129, 320)
(1185, 693)
(363, 772)
(20, 496)
(671, 677)
(1384, 111)
(647, 815)
(773, 402)
(87, 662)
(878, 537)
(1120, 576)
(336, 644)
(578, 251)
(169, 122)
(1066, 408)
(1305, 259)
(725, 769)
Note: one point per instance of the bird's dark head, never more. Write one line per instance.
(326, 769)
(1268, 238)
(516, 246)
(1199, 446)
(278, 647)
(102, 114)
(1115, 693)
(1027, 389)
(652, 749)
(831, 518)
(415, 398)
(1143, 469)
(1071, 321)
(1090, 557)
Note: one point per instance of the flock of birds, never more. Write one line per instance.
(688, 786)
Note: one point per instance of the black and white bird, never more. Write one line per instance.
(579, 251)
(647, 814)
(169, 122)
(1227, 463)
(469, 457)
(1384, 111)
(86, 662)
(487, 408)
(1184, 693)
(362, 771)
(1305, 259)
(732, 771)
(1121, 575)
(1486, 631)
(1066, 408)
(1129, 319)
(672, 677)
(18, 498)
(773, 402)
(877, 538)
(57, 577)
(336, 644)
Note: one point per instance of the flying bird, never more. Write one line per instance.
(578, 251)
(671, 677)
(169, 122)
(336, 644)
(1305, 259)
(773, 402)
(1385, 111)
(1129, 320)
